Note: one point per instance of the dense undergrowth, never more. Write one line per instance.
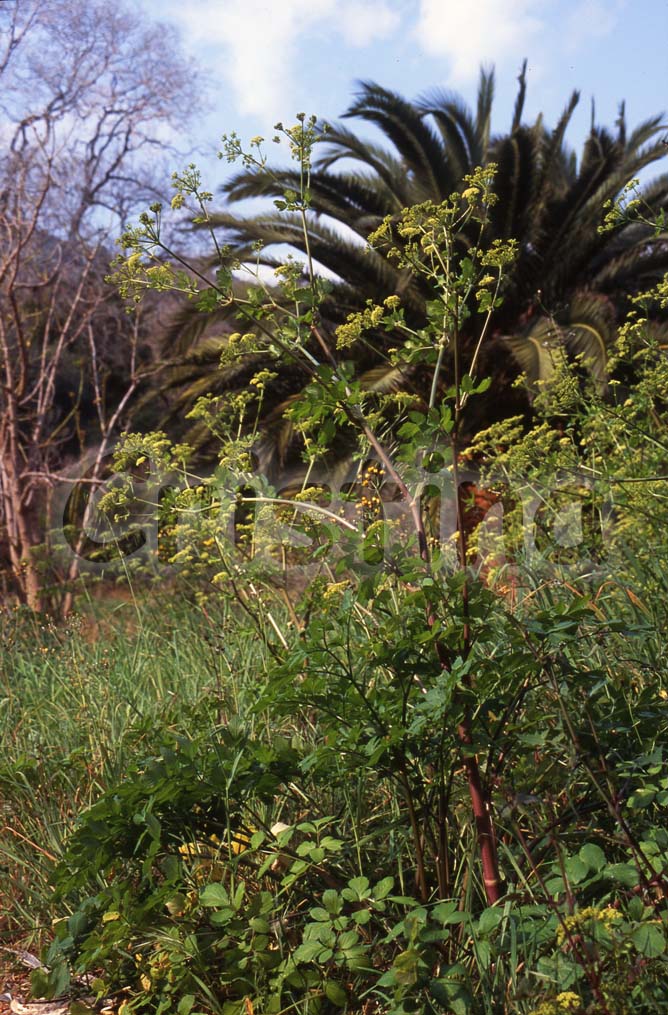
(369, 763)
(242, 827)
(80, 703)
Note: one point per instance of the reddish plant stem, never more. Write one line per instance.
(479, 803)
(477, 793)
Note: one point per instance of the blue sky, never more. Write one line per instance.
(267, 61)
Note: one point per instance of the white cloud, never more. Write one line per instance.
(590, 20)
(250, 45)
(469, 33)
(255, 45)
(361, 24)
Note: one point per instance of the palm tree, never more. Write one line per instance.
(568, 288)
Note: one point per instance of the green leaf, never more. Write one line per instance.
(186, 1004)
(649, 939)
(153, 825)
(593, 856)
(483, 953)
(383, 888)
(635, 909)
(348, 939)
(575, 869)
(214, 895)
(358, 889)
(239, 895)
(307, 951)
(331, 844)
(443, 910)
(405, 967)
(39, 983)
(489, 920)
(450, 990)
(221, 916)
(207, 300)
(642, 798)
(332, 901)
(555, 886)
(52, 984)
(336, 993)
(448, 912)
(624, 873)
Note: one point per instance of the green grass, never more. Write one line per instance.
(78, 704)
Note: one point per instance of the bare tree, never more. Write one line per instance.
(90, 98)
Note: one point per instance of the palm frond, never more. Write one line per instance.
(521, 96)
(461, 145)
(400, 120)
(584, 330)
(516, 157)
(562, 299)
(645, 131)
(484, 107)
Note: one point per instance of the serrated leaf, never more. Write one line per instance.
(307, 951)
(332, 901)
(331, 844)
(214, 895)
(359, 887)
(383, 888)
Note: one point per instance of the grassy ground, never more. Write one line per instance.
(77, 704)
(80, 702)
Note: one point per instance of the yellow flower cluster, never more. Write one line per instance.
(333, 590)
(567, 1001)
(347, 334)
(574, 924)
(262, 378)
(368, 503)
(208, 856)
(373, 471)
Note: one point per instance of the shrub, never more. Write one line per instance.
(463, 747)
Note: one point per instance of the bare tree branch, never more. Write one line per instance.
(83, 99)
